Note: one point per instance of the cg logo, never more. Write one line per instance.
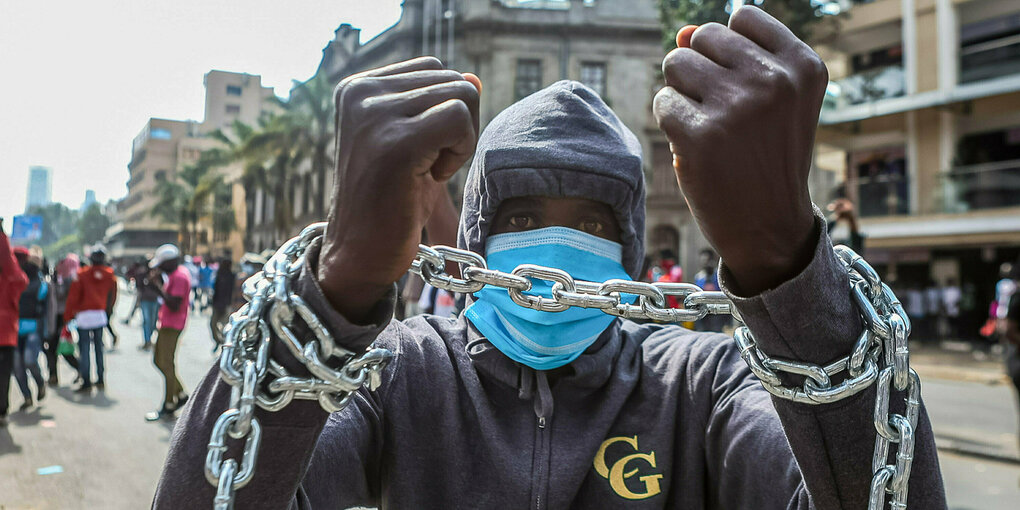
(617, 474)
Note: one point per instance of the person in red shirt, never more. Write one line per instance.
(89, 300)
(12, 282)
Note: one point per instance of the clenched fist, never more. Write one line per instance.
(402, 131)
(740, 110)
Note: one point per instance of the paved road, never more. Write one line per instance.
(111, 458)
(975, 416)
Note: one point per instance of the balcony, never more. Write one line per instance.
(981, 186)
(865, 87)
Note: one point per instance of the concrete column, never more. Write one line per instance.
(909, 31)
(947, 151)
(914, 179)
(949, 44)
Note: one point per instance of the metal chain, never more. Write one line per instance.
(245, 361)
(880, 353)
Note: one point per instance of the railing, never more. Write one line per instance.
(885, 194)
(980, 186)
(865, 87)
(990, 59)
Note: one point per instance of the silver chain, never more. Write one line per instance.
(880, 353)
(245, 361)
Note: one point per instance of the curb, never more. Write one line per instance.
(970, 449)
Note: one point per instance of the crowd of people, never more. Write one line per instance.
(65, 310)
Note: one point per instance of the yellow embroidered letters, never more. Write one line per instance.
(617, 473)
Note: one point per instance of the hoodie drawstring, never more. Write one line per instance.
(543, 398)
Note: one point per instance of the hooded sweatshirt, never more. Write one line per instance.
(12, 282)
(649, 416)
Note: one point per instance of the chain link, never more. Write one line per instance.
(879, 354)
(245, 362)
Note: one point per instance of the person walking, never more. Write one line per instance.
(63, 275)
(34, 308)
(133, 275)
(222, 299)
(12, 282)
(173, 315)
(148, 301)
(206, 276)
(91, 296)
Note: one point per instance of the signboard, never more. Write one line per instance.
(26, 228)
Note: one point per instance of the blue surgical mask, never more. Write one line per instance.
(545, 340)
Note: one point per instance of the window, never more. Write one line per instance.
(233, 90)
(233, 109)
(529, 77)
(593, 74)
(990, 48)
(881, 180)
(160, 134)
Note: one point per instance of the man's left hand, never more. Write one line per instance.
(740, 109)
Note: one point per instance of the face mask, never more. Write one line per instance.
(545, 340)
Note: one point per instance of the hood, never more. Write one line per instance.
(562, 141)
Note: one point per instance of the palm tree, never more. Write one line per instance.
(311, 103)
(190, 195)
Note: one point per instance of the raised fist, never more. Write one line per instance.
(402, 131)
(740, 110)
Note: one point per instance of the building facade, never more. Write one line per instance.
(40, 187)
(921, 128)
(163, 147)
(613, 46)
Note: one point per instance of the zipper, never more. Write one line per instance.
(542, 464)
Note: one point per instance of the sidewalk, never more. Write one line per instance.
(971, 401)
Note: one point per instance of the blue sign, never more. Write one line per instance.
(27, 228)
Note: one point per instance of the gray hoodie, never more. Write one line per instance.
(650, 416)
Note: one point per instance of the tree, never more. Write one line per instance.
(311, 105)
(92, 225)
(58, 222)
(806, 18)
(188, 197)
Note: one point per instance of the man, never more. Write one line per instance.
(503, 408)
(34, 322)
(89, 302)
(222, 299)
(192, 268)
(65, 273)
(173, 315)
(206, 275)
(1011, 333)
(148, 302)
(12, 282)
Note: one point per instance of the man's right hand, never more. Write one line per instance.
(402, 131)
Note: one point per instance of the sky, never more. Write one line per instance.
(79, 79)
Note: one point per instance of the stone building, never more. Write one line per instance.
(518, 47)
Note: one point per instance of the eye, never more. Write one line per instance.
(523, 222)
(592, 227)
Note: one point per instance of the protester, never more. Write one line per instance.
(510, 407)
(35, 307)
(132, 275)
(707, 279)
(89, 300)
(193, 274)
(932, 331)
(12, 282)
(951, 296)
(842, 210)
(222, 300)
(1011, 334)
(206, 275)
(173, 315)
(64, 273)
(148, 302)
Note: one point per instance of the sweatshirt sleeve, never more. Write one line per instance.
(11, 275)
(73, 298)
(810, 318)
(291, 437)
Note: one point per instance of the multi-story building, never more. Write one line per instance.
(165, 146)
(921, 128)
(40, 186)
(90, 199)
(517, 48)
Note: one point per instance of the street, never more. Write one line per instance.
(76, 452)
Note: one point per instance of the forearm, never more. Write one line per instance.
(288, 440)
(811, 318)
